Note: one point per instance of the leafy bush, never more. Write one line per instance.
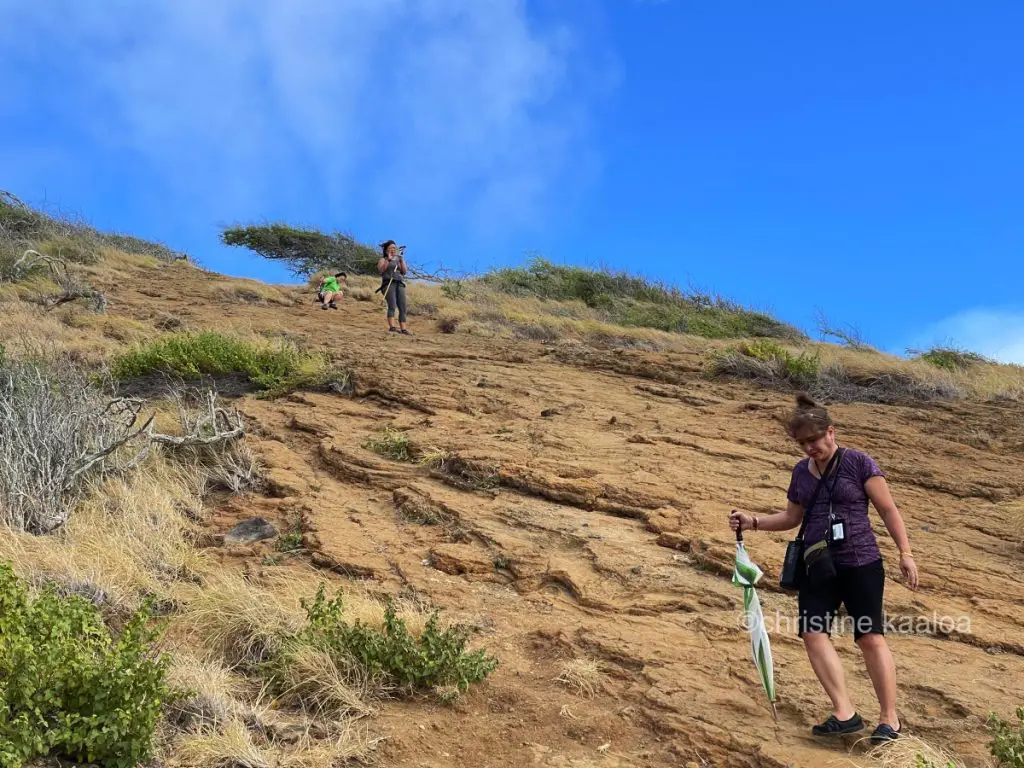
(192, 355)
(951, 359)
(392, 654)
(633, 301)
(67, 687)
(1007, 745)
(59, 434)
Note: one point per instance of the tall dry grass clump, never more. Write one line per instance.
(60, 433)
(129, 538)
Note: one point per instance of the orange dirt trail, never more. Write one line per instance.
(600, 531)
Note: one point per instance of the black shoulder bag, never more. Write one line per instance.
(794, 569)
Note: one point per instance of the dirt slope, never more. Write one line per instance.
(599, 530)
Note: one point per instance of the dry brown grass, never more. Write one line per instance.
(28, 328)
(211, 694)
(491, 314)
(904, 752)
(244, 291)
(239, 621)
(128, 539)
(583, 676)
(229, 747)
(321, 685)
(114, 327)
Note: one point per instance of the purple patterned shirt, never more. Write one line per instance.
(849, 503)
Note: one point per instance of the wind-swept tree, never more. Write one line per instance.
(305, 251)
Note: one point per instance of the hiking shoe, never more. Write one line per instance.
(323, 306)
(833, 726)
(392, 330)
(406, 331)
(332, 305)
(884, 732)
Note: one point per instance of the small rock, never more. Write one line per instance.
(613, 420)
(250, 531)
(547, 413)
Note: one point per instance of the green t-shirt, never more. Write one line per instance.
(330, 285)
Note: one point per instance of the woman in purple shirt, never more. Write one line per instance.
(853, 480)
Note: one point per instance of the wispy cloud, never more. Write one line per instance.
(995, 333)
(437, 106)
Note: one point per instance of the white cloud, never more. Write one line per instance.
(447, 107)
(998, 334)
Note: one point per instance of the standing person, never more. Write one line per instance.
(392, 268)
(839, 519)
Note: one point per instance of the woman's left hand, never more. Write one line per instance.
(909, 569)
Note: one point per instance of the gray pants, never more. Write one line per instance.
(396, 299)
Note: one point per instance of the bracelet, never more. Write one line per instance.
(755, 522)
(908, 553)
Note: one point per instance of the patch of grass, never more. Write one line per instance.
(239, 291)
(289, 542)
(22, 226)
(241, 622)
(766, 360)
(391, 443)
(582, 676)
(627, 300)
(911, 752)
(951, 359)
(69, 687)
(191, 355)
(228, 747)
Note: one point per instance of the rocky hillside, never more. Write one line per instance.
(568, 500)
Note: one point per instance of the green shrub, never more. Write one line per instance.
(192, 355)
(67, 687)
(626, 300)
(390, 443)
(765, 359)
(1007, 745)
(392, 654)
(951, 359)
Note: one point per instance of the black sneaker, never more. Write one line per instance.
(884, 732)
(833, 726)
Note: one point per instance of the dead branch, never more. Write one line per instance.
(212, 426)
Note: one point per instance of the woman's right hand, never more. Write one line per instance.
(740, 520)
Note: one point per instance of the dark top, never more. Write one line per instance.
(849, 502)
(391, 273)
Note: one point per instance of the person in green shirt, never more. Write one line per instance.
(330, 289)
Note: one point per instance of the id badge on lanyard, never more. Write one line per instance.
(836, 527)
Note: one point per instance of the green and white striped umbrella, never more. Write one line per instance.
(746, 574)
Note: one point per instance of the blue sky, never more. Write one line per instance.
(861, 160)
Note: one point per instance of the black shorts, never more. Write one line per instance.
(860, 589)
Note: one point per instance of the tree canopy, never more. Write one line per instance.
(305, 251)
